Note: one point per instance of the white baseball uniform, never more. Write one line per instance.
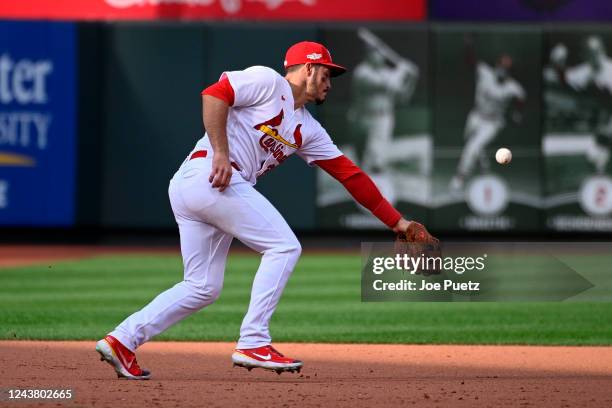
(486, 119)
(263, 129)
(579, 78)
(375, 106)
(583, 75)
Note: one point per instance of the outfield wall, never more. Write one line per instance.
(123, 109)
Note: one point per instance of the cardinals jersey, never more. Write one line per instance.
(264, 129)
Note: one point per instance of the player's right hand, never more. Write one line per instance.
(221, 173)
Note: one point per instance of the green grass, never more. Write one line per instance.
(85, 299)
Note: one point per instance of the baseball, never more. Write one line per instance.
(503, 155)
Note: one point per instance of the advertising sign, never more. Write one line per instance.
(37, 123)
(577, 138)
(379, 115)
(521, 10)
(487, 96)
(318, 10)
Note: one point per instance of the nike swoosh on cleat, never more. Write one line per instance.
(268, 357)
(121, 358)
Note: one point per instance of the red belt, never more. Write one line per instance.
(204, 153)
(198, 153)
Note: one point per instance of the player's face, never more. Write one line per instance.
(318, 84)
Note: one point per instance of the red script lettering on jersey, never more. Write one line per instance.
(272, 142)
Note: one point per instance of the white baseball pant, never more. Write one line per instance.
(208, 220)
(379, 142)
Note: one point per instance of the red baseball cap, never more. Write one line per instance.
(314, 53)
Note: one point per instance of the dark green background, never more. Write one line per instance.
(140, 112)
(151, 114)
(412, 116)
(565, 174)
(454, 86)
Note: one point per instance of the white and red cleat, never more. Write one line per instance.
(266, 357)
(121, 358)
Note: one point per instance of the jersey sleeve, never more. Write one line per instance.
(318, 145)
(385, 78)
(221, 90)
(483, 70)
(518, 91)
(578, 77)
(369, 77)
(252, 86)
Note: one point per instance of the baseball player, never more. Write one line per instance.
(561, 108)
(254, 120)
(495, 90)
(377, 83)
(596, 72)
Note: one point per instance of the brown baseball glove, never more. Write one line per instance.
(417, 233)
(415, 242)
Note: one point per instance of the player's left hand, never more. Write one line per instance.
(412, 231)
(221, 173)
(414, 240)
(401, 226)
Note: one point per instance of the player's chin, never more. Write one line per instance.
(321, 101)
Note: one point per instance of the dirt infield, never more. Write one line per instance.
(24, 255)
(201, 375)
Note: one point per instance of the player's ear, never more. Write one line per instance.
(309, 69)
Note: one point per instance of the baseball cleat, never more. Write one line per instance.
(266, 357)
(121, 358)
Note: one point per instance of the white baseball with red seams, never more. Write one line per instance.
(263, 129)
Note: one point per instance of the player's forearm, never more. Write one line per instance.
(365, 192)
(369, 83)
(215, 113)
